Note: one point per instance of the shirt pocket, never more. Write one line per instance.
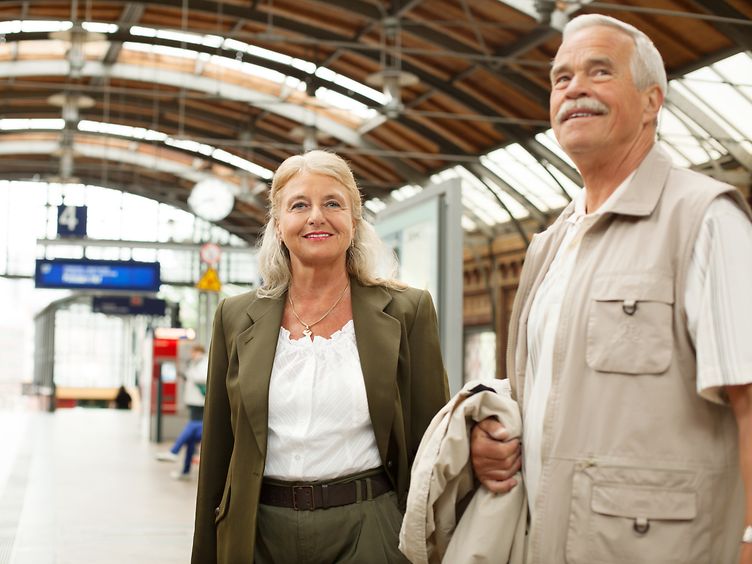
(635, 516)
(630, 324)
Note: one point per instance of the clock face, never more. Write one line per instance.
(211, 199)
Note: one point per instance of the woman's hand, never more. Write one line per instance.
(495, 458)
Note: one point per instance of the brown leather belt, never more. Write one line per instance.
(307, 497)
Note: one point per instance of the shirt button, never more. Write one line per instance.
(216, 511)
(389, 463)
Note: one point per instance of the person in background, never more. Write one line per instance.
(321, 384)
(628, 348)
(193, 395)
(122, 399)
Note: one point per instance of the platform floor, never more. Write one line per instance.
(81, 486)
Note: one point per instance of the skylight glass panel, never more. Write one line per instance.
(98, 27)
(41, 26)
(338, 100)
(406, 191)
(676, 156)
(675, 131)
(13, 124)
(471, 184)
(548, 140)
(483, 207)
(350, 84)
(375, 205)
(264, 53)
(520, 175)
(189, 145)
(468, 224)
(239, 162)
(675, 136)
(186, 145)
(721, 100)
(570, 187)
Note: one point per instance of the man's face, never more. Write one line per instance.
(595, 106)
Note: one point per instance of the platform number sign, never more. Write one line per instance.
(71, 221)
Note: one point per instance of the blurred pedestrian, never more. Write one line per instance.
(122, 399)
(194, 390)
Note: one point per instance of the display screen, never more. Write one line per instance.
(97, 274)
(128, 305)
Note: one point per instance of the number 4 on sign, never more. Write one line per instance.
(68, 218)
(71, 221)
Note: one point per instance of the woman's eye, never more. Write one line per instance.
(333, 204)
(297, 205)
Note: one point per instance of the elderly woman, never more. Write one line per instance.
(321, 384)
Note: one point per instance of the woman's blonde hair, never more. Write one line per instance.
(367, 254)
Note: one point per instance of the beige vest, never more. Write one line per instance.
(637, 468)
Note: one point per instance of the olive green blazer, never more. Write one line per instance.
(405, 380)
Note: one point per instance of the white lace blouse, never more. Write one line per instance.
(319, 424)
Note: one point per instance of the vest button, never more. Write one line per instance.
(641, 525)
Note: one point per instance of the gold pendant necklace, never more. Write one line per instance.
(307, 330)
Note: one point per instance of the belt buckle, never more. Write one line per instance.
(295, 490)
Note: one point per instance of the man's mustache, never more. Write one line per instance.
(580, 104)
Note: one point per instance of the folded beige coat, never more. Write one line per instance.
(491, 529)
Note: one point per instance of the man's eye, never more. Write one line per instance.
(602, 72)
(560, 79)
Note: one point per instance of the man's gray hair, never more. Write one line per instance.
(647, 63)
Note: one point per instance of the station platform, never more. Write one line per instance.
(81, 486)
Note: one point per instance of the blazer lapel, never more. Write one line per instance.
(378, 338)
(256, 347)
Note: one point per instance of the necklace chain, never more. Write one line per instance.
(307, 330)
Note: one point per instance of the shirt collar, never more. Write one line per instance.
(580, 198)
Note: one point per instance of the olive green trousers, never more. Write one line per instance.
(365, 532)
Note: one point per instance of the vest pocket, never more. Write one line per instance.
(634, 516)
(629, 327)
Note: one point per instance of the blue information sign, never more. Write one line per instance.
(128, 305)
(97, 274)
(71, 221)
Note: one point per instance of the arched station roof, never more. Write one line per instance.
(151, 97)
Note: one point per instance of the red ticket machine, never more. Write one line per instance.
(163, 384)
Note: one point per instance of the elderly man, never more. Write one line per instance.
(629, 341)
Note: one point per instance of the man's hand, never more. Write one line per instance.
(495, 458)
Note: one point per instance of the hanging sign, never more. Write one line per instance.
(209, 281)
(71, 221)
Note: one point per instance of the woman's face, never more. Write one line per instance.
(315, 219)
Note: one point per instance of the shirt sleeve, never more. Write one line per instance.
(718, 299)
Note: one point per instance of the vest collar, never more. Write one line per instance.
(644, 191)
